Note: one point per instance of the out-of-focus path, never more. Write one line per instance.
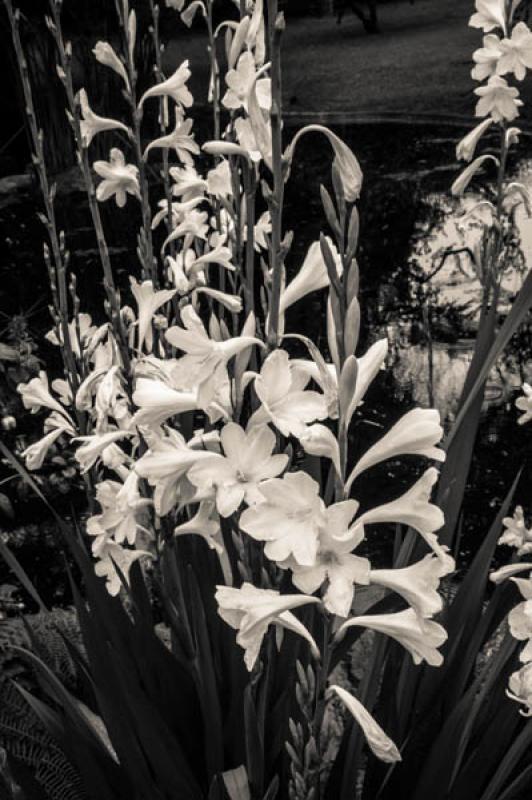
(419, 65)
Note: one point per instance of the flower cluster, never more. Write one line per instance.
(189, 413)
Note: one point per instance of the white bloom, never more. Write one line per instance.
(516, 533)
(157, 401)
(466, 176)
(105, 55)
(498, 99)
(380, 744)
(250, 611)
(421, 637)
(119, 178)
(524, 404)
(174, 87)
(318, 440)
(219, 180)
(489, 14)
(516, 52)
(91, 123)
(416, 433)
(486, 58)
(280, 388)
(465, 150)
(204, 523)
(520, 688)
(311, 276)
(239, 474)
(114, 554)
(180, 139)
(148, 302)
(94, 447)
(288, 519)
(240, 80)
(35, 454)
(335, 562)
(36, 395)
(418, 583)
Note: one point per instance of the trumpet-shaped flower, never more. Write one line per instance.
(498, 99)
(35, 454)
(148, 302)
(91, 124)
(113, 556)
(288, 519)
(240, 80)
(520, 622)
(335, 564)
(418, 583)
(251, 611)
(219, 180)
(489, 14)
(157, 402)
(524, 404)
(421, 637)
(105, 55)
(516, 534)
(379, 743)
(466, 176)
(520, 688)
(36, 395)
(119, 178)
(417, 433)
(180, 139)
(280, 388)
(174, 87)
(204, 356)
(80, 334)
(516, 52)
(465, 150)
(188, 185)
(311, 277)
(164, 466)
(318, 440)
(204, 523)
(238, 474)
(486, 58)
(94, 447)
(122, 505)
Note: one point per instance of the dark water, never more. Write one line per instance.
(406, 221)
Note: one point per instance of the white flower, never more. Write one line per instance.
(250, 611)
(288, 519)
(114, 554)
(164, 466)
(311, 276)
(174, 87)
(490, 14)
(318, 440)
(498, 99)
(421, 637)
(418, 583)
(239, 474)
(508, 571)
(91, 123)
(520, 688)
(344, 159)
(466, 176)
(465, 150)
(36, 395)
(204, 523)
(417, 433)
(157, 401)
(520, 622)
(187, 16)
(240, 80)
(380, 744)
(148, 302)
(105, 55)
(516, 52)
(119, 178)
(187, 183)
(35, 454)
(281, 391)
(180, 139)
(516, 533)
(413, 509)
(121, 504)
(204, 356)
(94, 447)
(219, 180)
(231, 302)
(524, 404)
(335, 562)
(486, 58)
